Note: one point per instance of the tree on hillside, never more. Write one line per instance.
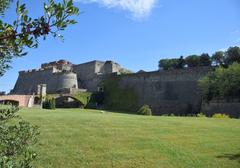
(17, 135)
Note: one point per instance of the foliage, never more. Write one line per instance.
(145, 110)
(83, 97)
(49, 104)
(96, 100)
(201, 115)
(172, 63)
(233, 55)
(117, 98)
(25, 31)
(192, 60)
(17, 135)
(218, 58)
(205, 60)
(222, 83)
(219, 115)
(17, 139)
(123, 71)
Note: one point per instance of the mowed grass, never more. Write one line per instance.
(78, 138)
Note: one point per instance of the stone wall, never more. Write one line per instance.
(28, 81)
(230, 108)
(166, 92)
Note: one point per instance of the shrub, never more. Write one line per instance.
(49, 104)
(219, 115)
(201, 115)
(145, 110)
(17, 139)
(83, 97)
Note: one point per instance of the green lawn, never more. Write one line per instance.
(88, 138)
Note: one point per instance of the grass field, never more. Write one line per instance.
(74, 138)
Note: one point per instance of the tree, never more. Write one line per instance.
(218, 58)
(25, 31)
(192, 60)
(4, 4)
(164, 64)
(222, 83)
(17, 135)
(205, 60)
(181, 63)
(233, 55)
(169, 63)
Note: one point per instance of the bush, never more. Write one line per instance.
(201, 115)
(49, 104)
(17, 139)
(145, 110)
(219, 115)
(83, 97)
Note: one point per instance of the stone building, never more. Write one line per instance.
(63, 76)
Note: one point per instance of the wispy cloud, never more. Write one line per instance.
(138, 8)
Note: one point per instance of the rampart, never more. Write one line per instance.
(55, 80)
(166, 92)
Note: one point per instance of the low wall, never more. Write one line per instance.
(22, 99)
(232, 109)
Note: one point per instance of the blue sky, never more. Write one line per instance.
(135, 33)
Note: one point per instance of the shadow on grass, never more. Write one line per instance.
(231, 156)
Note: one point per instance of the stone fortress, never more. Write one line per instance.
(166, 92)
(174, 91)
(64, 77)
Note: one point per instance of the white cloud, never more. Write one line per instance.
(138, 8)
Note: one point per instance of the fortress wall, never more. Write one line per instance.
(172, 91)
(86, 73)
(67, 80)
(230, 108)
(27, 81)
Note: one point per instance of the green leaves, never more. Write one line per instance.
(222, 83)
(25, 31)
(17, 139)
(4, 4)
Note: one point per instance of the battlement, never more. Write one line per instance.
(30, 71)
(57, 64)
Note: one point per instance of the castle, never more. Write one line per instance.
(166, 92)
(63, 76)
